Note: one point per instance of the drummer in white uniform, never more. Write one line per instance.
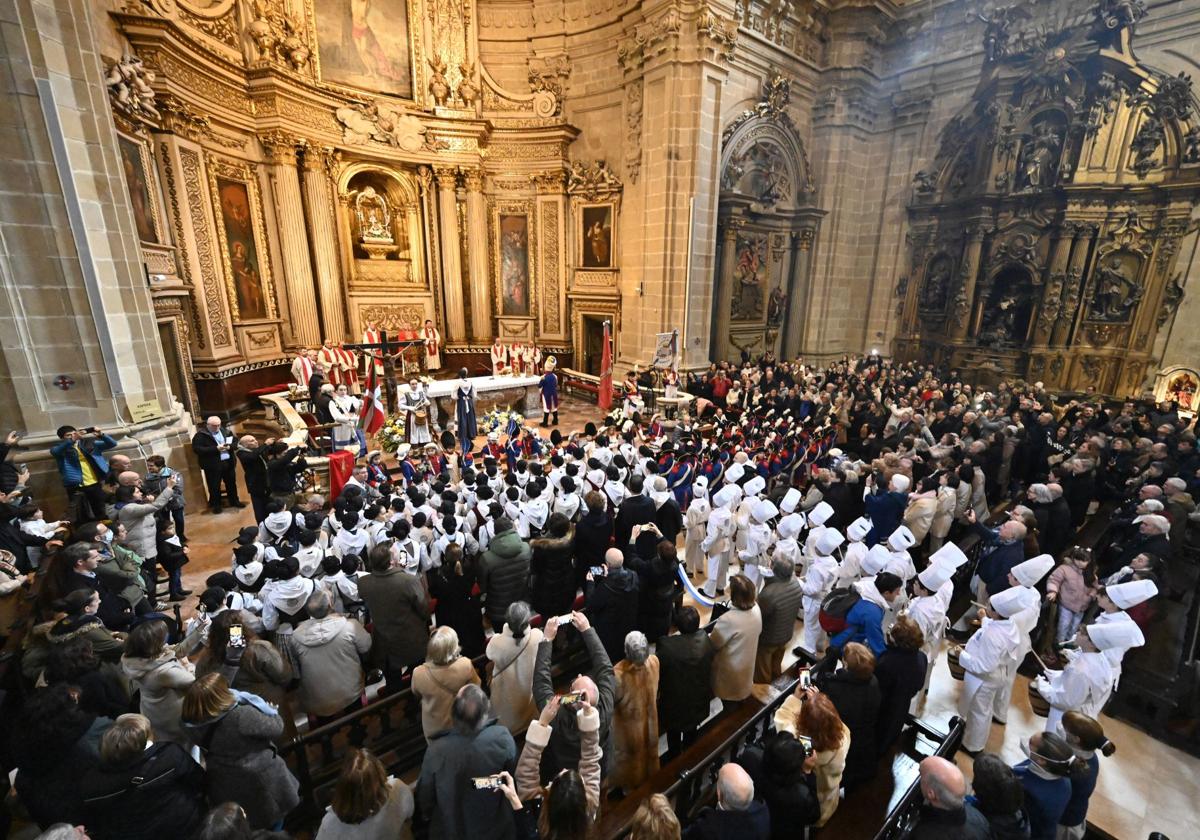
(989, 658)
(850, 569)
(695, 522)
(1085, 684)
(718, 539)
(817, 583)
(1113, 601)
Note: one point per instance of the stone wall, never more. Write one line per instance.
(79, 339)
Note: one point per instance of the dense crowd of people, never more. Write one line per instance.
(836, 498)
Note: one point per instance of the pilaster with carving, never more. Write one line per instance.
(280, 149)
(318, 162)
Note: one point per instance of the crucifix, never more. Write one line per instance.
(389, 351)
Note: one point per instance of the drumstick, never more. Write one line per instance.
(1045, 667)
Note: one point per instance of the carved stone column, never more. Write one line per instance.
(456, 325)
(1073, 284)
(796, 320)
(477, 256)
(1051, 302)
(293, 237)
(960, 314)
(322, 233)
(724, 295)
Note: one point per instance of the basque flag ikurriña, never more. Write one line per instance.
(371, 417)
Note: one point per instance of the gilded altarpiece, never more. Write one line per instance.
(1043, 235)
(284, 131)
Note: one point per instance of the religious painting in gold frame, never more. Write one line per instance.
(138, 171)
(597, 235)
(237, 208)
(513, 249)
(365, 44)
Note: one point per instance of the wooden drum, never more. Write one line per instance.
(1037, 702)
(957, 671)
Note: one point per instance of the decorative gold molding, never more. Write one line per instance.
(191, 164)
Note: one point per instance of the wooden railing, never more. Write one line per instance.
(904, 815)
(389, 726)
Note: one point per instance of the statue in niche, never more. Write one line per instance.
(1182, 389)
(374, 218)
(937, 285)
(1036, 168)
(1000, 322)
(1116, 294)
(776, 306)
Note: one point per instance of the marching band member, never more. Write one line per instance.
(850, 569)
(1025, 574)
(986, 658)
(817, 517)
(900, 562)
(415, 406)
(754, 557)
(932, 592)
(695, 524)
(818, 582)
(718, 539)
(1113, 601)
(1085, 684)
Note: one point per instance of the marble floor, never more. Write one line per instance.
(1146, 786)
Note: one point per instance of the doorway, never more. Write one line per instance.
(593, 344)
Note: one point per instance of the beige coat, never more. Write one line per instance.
(918, 516)
(943, 517)
(828, 765)
(511, 687)
(436, 686)
(635, 723)
(735, 639)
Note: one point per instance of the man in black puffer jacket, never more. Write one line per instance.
(504, 571)
(136, 793)
(612, 603)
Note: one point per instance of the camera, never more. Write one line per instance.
(488, 782)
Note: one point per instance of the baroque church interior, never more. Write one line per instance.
(195, 192)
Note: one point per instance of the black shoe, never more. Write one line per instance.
(720, 593)
(997, 720)
(555, 418)
(237, 504)
(214, 509)
(176, 596)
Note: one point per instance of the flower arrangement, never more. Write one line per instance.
(391, 434)
(500, 421)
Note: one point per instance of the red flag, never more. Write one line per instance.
(370, 419)
(606, 386)
(341, 467)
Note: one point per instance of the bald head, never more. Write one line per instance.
(128, 478)
(735, 788)
(587, 684)
(942, 784)
(614, 559)
(119, 463)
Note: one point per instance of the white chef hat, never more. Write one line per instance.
(734, 473)
(935, 575)
(828, 542)
(1126, 595)
(789, 527)
(764, 510)
(948, 555)
(1116, 634)
(700, 486)
(1012, 601)
(875, 560)
(754, 486)
(900, 483)
(791, 500)
(1033, 570)
(820, 514)
(727, 495)
(901, 539)
(858, 530)
(402, 451)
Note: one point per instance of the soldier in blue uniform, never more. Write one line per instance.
(549, 388)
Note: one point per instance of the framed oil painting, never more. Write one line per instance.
(597, 236)
(750, 273)
(240, 229)
(513, 248)
(364, 44)
(139, 181)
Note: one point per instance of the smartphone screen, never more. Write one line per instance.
(487, 782)
(236, 639)
(805, 679)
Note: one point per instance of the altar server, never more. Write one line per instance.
(499, 356)
(986, 658)
(433, 346)
(302, 368)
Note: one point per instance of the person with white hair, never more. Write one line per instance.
(885, 507)
(944, 809)
(737, 816)
(436, 681)
(635, 715)
(695, 525)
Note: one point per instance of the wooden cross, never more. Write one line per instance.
(390, 351)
